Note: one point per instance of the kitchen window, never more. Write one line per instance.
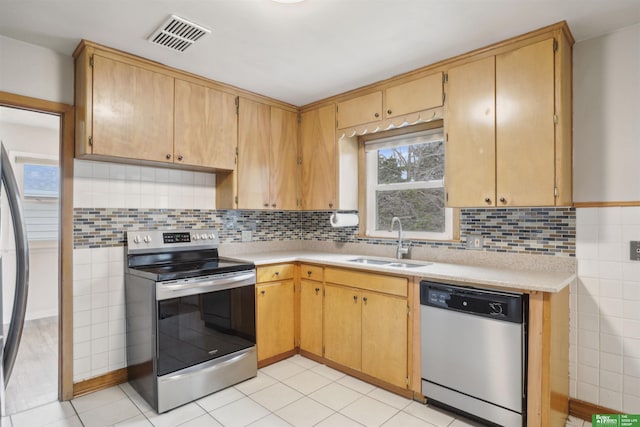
(41, 184)
(404, 177)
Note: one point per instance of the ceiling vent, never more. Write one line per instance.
(177, 33)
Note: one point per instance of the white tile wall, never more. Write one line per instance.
(111, 185)
(98, 286)
(98, 312)
(605, 310)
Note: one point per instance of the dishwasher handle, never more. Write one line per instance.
(503, 306)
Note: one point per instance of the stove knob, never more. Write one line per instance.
(211, 236)
(196, 237)
(147, 239)
(136, 239)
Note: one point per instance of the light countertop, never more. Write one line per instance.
(472, 275)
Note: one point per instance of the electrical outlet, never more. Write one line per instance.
(475, 241)
(634, 250)
(246, 235)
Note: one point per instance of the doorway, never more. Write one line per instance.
(60, 364)
(32, 141)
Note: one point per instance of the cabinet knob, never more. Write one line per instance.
(355, 298)
(389, 112)
(331, 205)
(487, 200)
(277, 273)
(364, 300)
(266, 205)
(503, 200)
(376, 115)
(168, 156)
(273, 205)
(309, 273)
(317, 290)
(180, 157)
(262, 292)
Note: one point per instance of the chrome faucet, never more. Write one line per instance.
(402, 250)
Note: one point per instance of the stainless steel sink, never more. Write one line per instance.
(369, 261)
(407, 264)
(386, 263)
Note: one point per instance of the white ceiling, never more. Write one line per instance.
(300, 53)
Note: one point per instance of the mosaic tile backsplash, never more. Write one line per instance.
(545, 231)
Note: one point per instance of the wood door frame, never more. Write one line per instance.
(65, 249)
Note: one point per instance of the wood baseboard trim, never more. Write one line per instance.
(100, 383)
(584, 410)
(276, 358)
(604, 204)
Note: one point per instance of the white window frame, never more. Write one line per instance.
(371, 179)
(19, 159)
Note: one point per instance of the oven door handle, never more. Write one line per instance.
(208, 285)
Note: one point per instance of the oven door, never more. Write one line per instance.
(201, 319)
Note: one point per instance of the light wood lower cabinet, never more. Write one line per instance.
(343, 325)
(274, 311)
(384, 338)
(311, 300)
(367, 330)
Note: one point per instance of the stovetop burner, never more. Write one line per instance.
(178, 254)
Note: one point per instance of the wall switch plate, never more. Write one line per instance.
(634, 250)
(246, 235)
(475, 241)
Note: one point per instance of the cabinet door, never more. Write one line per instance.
(311, 316)
(284, 159)
(318, 152)
(132, 111)
(360, 110)
(342, 325)
(274, 319)
(470, 157)
(525, 133)
(384, 338)
(206, 127)
(416, 95)
(253, 155)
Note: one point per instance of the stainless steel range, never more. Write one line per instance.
(190, 316)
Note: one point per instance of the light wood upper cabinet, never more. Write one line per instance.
(131, 112)
(319, 158)
(267, 157)
(206, 126)
(416, 95)
(507, 143)
(360, 110)
(470, 151)
(525, 129)
(284, 170)
(253, 155)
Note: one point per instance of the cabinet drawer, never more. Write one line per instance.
(274, 272)
(311, 272)
(374, 282)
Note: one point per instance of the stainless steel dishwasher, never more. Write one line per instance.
(474, 352)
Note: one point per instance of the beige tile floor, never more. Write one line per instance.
(294, 392)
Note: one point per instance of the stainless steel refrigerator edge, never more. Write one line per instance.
(9, 344)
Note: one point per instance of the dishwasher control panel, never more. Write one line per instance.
(504, 306)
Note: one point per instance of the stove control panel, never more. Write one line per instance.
(159, 239)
